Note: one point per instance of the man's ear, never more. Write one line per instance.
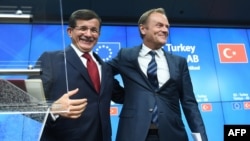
(69, 31)
(142, 28)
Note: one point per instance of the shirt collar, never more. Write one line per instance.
(78, 52)
(145, 50)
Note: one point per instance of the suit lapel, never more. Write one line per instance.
(103, 71)
(75, 62)
(134, 55)
(171, 66)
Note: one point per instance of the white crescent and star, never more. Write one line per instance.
(226, 54)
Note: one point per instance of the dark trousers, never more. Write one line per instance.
(153, 135)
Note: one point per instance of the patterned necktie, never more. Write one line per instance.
(152, 77)
(93, 71)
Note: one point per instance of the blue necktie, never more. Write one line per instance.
(152, 77)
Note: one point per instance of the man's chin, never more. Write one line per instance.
(86, 48)
(162, 43)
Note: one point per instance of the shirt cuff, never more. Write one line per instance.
(196, 136)
(54, 116)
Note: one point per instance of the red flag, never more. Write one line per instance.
(113, 111)
(247, 105)
(232, 53)
(206, 107)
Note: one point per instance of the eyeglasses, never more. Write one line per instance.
(93, 30)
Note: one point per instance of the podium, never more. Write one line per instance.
(23, 113)
(24, 32)
(18, 111)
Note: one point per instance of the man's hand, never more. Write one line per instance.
(70, 108)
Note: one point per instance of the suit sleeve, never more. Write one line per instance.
(118, 90)
(45, 64)
(189, 103)
(118, 93)
(114, 63)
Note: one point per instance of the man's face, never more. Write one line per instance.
(85, 35)
(155, 31)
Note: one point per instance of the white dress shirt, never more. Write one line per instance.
(162, 65)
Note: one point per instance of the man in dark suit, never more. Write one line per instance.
(157, 84)
(67, 78)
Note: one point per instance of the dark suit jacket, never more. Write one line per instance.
(140, 96)
(94, 124)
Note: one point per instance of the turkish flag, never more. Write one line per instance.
(232, 53)
(113, 111)
(206, 107)
(247, 105)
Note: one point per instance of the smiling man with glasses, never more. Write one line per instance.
(83, 84)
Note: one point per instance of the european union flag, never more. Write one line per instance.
(107, 50)
(236, 105)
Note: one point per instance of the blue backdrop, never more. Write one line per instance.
(217, 59)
